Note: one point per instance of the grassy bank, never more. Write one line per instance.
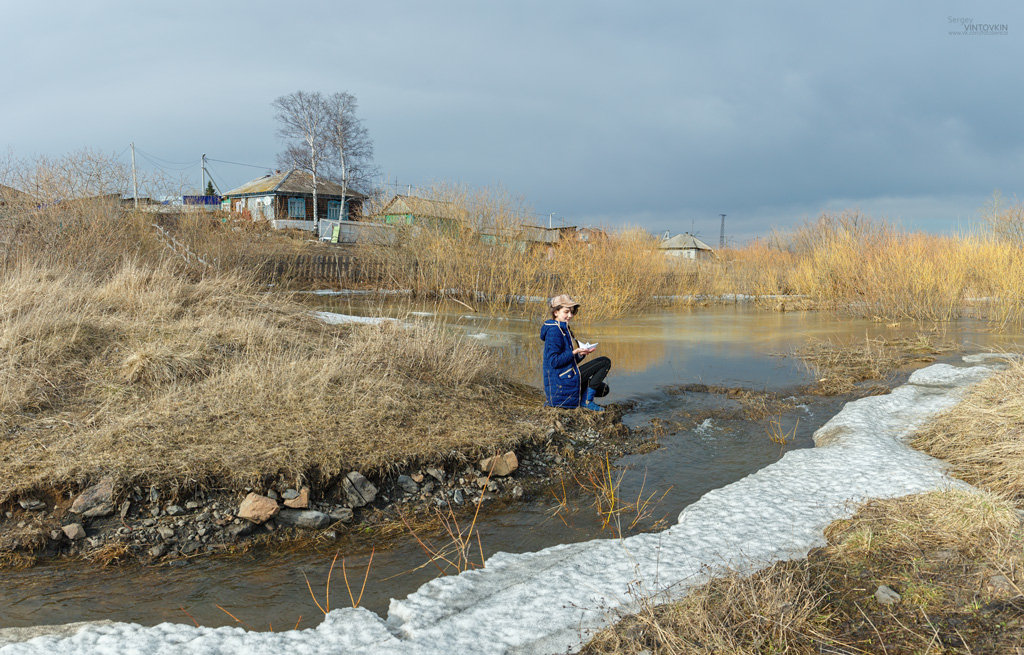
(157, 379)
(151, 352)
(956, 559)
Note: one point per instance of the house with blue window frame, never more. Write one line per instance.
(286, 200)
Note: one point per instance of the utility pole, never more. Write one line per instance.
(549, 219)
(202, 185)
(135, 182)
(721, 238)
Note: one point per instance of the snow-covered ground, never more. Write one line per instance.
(552, 600)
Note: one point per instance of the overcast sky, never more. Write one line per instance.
(659, 114)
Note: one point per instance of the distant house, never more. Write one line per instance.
(412, 210)
(286, 200)
(425, 212)
(685, 246)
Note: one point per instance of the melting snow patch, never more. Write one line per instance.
(551, 600)
(338, 319)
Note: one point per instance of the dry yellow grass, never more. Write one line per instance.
(981, 436)
(838, 366)
(151, 377)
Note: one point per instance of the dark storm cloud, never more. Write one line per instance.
(658, 113)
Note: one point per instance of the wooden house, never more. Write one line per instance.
(412, 210)
(286, 200)
(685, 246)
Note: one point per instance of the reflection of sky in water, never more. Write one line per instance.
(728, 345)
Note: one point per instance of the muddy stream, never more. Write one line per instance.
(705, 443)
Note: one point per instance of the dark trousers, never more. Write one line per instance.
(592, 375)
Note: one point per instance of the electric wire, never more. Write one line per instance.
(223, 161)
(166, 161)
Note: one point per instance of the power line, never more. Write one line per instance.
(166, 161)
(157, 164)
(222, 161)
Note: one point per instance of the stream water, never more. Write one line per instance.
(705, 444)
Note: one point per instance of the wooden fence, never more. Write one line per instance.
(319, 269)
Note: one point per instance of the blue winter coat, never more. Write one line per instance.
(561, 373)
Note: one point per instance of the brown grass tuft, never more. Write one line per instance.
(981, 436)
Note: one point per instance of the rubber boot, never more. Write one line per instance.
(588, 401)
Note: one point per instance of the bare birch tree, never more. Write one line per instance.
(302, 124)
(351, 149)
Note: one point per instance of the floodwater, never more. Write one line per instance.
(705, 443)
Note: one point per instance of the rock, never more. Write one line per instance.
(32, 504)
(492, 486)
(149, 522)
(331, 534)
(158, 550)
(437, 474)
(165, 532)
(257, 508)
(271, 494)
(1000, 585)
(190, 547)
(417, 477)
(358, 490)
(56, 535)
(74, 531)
(125, 507)
(240, 529)
(342, 514)
(299, 501)
(193, 505)
(500, 465)
(307, 519)
(887, 596)
(290, 494)
(175, 510)
(517, 492)
(408, 485)
(97, 500)
(457, 497)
